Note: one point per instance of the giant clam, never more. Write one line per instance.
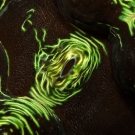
(115, 19)
(64, 58)
(61, 69)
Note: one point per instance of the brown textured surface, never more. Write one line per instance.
(100, 109)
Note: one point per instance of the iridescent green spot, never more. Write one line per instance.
(128, 17)
(37, 133)
(1, 90)
(128, 13)
(27, 20)
(11, 130)
(31, 10)
(44, 34)
(8, 61)
(5, 133)
(115, 32)
(2, 4)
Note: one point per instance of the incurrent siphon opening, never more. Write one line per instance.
(68, 67)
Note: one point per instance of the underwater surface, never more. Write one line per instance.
(67, 67)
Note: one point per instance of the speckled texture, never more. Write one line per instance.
(87, 14)
(101, 108)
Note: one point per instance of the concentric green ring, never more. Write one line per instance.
(50, 61)
(52, 85)
(128, 13)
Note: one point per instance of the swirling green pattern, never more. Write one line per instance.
(27, 20)
(50, 61)
(128, 14)
(53, 84)
(16, 110)
(19, 112)
(2, 4)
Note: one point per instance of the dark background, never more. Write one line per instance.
(101, 108)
